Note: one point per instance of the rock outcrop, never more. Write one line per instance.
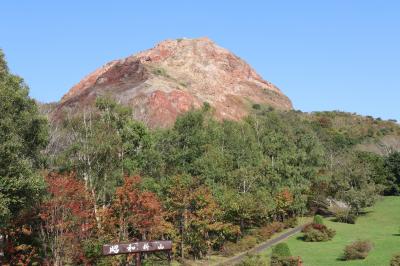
(173, 77)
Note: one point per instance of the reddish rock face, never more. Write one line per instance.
(174, 77)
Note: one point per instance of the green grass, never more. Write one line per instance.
(380, 225)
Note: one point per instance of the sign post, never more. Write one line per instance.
(1, 248)
(138, 248)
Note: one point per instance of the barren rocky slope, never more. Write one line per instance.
(173, 77)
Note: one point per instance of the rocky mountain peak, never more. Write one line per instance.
(173, 77)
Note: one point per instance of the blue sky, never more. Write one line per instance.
(325, 55)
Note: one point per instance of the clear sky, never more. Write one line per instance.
(325, 55)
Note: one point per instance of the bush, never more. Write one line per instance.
(277, 227)
(318, 219)
(345, 217)
(252, 260)
(291, 222)
(161, 72)
(265, 233)
(289, 261)
(317, 233)
(246, 243)
(281, 250)
(395, 261)
(343, 214)
(315, 236)
(281, 256)
(256, 106)
(357, 250)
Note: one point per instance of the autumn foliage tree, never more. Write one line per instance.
(196, 216)
(135, 214)
(67, 220)
(283, 202)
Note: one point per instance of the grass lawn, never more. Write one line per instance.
(380, 225)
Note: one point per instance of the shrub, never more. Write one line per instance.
(281, 250)
(246, 243)
(395, 261)
(161, 72)
(289, 261)
(348, 218)
(318, 219)
(251, 260)
(357, 250)
(256, 106)
(317, 233)
(280, 255)
(265, 232)
(315, 236)
(183, 84)
(277, 227)
(343, 214)
(291, 222)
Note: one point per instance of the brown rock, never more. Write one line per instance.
(173, 77)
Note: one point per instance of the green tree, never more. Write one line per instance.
(352, 182)
(392, 164)
(23, 134)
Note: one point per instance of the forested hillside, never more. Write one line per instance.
(99, 176)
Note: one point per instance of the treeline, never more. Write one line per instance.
(100, 177)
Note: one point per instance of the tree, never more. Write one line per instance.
(392, 164)
(23, 134)
(352, 182)
(135, 214)
(196, 216)
(67, 220)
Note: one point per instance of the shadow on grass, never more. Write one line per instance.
(341, 258)
(396, 235)
(363, 213)
(341, 222)
(300, 238)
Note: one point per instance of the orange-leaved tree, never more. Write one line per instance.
(283, 202)
(135, 214)
(67, 220)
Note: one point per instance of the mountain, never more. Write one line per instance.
(173, 77)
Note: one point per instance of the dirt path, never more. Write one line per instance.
(261, 247)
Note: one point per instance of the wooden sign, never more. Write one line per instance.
(137, 247)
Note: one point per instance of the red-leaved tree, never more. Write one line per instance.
(67, 220)
(135, 214)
